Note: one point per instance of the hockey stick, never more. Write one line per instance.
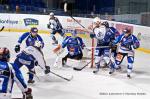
(99, 47)
(2, 29)
(79, 69)
(68, 79)
(70, 14)
(34, 75)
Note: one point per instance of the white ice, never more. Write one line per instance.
(85, 85)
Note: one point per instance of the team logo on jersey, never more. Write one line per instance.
(31, 21)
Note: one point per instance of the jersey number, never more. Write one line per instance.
(1, 83)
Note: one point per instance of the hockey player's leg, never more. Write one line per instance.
(118, 61)
(107, 57)
(97, 59)
(53, 37)
(64, 60)
(97, 64)
(31, 76)
(62, 33)
(130, 65)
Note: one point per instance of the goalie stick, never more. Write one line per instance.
(2, 29)
(79, 69)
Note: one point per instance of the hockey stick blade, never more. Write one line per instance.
(68, 79)
(79, 69)
(2, 29)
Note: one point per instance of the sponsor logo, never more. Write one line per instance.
(8, 21)
(30, 21)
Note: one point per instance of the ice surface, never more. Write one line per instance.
(85, 85)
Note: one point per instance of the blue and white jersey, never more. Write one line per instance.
(127, 44)
(103, 35)
(55, 24)
(74, 45)
(30, 40)
(29, 55)
(115, 31)
(9, 74)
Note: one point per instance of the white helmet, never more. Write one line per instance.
(97, 20)
(51, 14)
(38, 44)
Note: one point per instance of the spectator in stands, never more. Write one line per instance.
(17, 8)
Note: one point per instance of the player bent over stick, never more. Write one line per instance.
(32, 56)
(74, 46)
(10, 74)
(127, 43)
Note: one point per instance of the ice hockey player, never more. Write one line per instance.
(74, 46)
(104, 36)
(10, 74)
(114, 35)
(55, 27)
(30, 38)
(32, 56)
(127, 43)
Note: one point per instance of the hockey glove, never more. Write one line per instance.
(28, 94)
(36, 63)
(48, 26)
(92, 35)
(17, 48)
(47, 69)
(136, 45)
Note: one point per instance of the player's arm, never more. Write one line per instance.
(17, 47)
(22, 37)
(18, 78)
(81, 42)
(58, 22)
(136, 43)
(118, 39)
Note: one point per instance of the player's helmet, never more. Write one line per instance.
(4, 54)
(51, 15)
(34, 31)
(106, 24)
(74, 33)
(38, 44)
(127, 30)
(97, 20)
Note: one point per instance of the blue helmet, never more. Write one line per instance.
(106, 24)
(74, 32)
(34, 30)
